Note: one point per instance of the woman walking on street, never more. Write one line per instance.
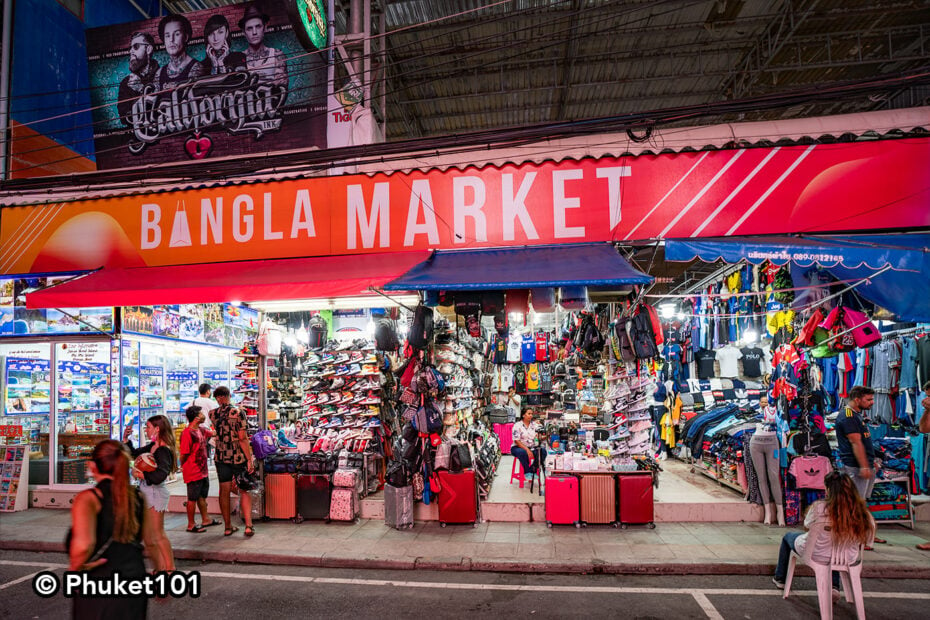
(106, 534)
(162, 447)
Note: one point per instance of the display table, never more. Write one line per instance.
(70, 471)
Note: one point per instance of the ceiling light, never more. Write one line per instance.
(339, 303)
(667, 309)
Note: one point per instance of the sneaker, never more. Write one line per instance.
(338, 383)
(778, 583)
(356, 356)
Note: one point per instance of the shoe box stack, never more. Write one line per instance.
(246, 380)
(459, 361)
(626, 414)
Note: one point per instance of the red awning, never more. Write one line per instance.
(247, 281)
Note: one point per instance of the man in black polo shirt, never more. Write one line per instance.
(855, 441)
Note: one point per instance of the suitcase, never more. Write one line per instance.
(280, 496)
(635, 495)
(504, 433)
(345, 505)
(348, 478)
(458, 498)
(562, 501)
(313, 495)
(398, 507)
(598, 499)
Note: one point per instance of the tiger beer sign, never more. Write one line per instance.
(798, 189)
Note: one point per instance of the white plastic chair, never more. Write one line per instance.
(850, 574)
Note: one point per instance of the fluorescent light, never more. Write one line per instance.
(667, 309)
(750, 335)
(339, 303)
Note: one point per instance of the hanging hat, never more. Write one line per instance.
(253, 12)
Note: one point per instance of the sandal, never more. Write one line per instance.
(249, 531)
(229, 531)
(197, 529)
(210, 524)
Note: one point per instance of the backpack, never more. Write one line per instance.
(623, 339)
(461, 457)
(269, 339)
(263, 444)
(642, 337)
(385, 337)
(421, 331)
(317, 332)
(428, 419)
(443, 457)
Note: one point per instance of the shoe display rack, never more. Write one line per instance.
(247, 379)
(626, 410)
(459, 362)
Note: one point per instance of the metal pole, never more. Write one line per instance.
(5, 71)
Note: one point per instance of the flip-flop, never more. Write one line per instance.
(230, 531)
(197, 529)
(249, 531)
(210, 524)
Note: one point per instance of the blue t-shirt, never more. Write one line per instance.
(848, 422)
(529, 349)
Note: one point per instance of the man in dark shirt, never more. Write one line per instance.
(855, 440)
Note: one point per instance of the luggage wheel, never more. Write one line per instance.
(298, 519)
(441, 524)
(475, 524)
(549, 524)
(652, 526)
(584, 525)
(614, 525)
(577, 524)
(265, 519)
(623, 526)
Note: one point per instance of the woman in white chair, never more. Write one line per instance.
(844, 519)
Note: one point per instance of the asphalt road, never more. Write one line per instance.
(232, 591)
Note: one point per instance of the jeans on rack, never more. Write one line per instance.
(763, 450)
(784, 554)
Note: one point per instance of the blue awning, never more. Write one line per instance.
(903, 290)
(581, 264)
(870, 251)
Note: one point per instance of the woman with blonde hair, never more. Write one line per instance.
(845, 518)
(106, 533)
(163, 448)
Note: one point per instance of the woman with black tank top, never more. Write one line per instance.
(106, 534)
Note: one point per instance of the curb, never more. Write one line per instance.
(464, 564)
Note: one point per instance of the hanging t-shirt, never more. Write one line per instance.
(545, 378)
(809, 471)
(542, 347)
(513, 348)
(500, 350)
(532, 378)
(705, 363)
(519, 378)
(753, 361)
(728, 356)
(504, 378)
(529, 349)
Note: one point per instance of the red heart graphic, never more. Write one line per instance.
(198, 147)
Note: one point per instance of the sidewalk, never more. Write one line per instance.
(671, 548)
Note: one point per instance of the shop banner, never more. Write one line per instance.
(797, 189)
(225, 81)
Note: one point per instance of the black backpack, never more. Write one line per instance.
(317, 332)
(642, 337)
(421, 331)
(623, 338)
(385, 337)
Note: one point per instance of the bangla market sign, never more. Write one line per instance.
(809, 189)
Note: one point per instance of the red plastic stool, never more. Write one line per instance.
(516, 472)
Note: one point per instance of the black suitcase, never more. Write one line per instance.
(313, 495)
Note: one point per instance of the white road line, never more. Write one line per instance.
(707, 606)
(674, 187)
(771, 189)
(21, 579)
(509, 587)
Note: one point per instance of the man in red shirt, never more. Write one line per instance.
(193, 453)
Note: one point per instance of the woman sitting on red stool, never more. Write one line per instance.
(524, 440)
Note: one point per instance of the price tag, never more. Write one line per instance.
(11, 431)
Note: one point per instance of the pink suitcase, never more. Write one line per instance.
(348, 478)
(636, 506)
(280, 496)
(505, 434)
(344, 505)
(562, 501)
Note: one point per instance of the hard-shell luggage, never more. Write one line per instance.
(348, 478)
(635, 494)
(313, 494)
(563, 501)
(345, 505)
(458, 498)
(280, 496)
(504, 433)
(398, 507)
(598, 499)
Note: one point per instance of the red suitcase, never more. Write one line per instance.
(280, 496)
(562, 501)
(635, 492)
(458, 498)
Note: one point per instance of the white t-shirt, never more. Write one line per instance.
(206, 406)
(503, 379)
(514, 404)
(727, 356)
(514, 352)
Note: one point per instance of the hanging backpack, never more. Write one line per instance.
(385, 336)
(642, 337)
(317, 332)
(428, 419)
(263, 444)
(864, 331)
(623, 339)
(269, 339)
(421, 331)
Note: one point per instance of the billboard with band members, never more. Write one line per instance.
(226, 81)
